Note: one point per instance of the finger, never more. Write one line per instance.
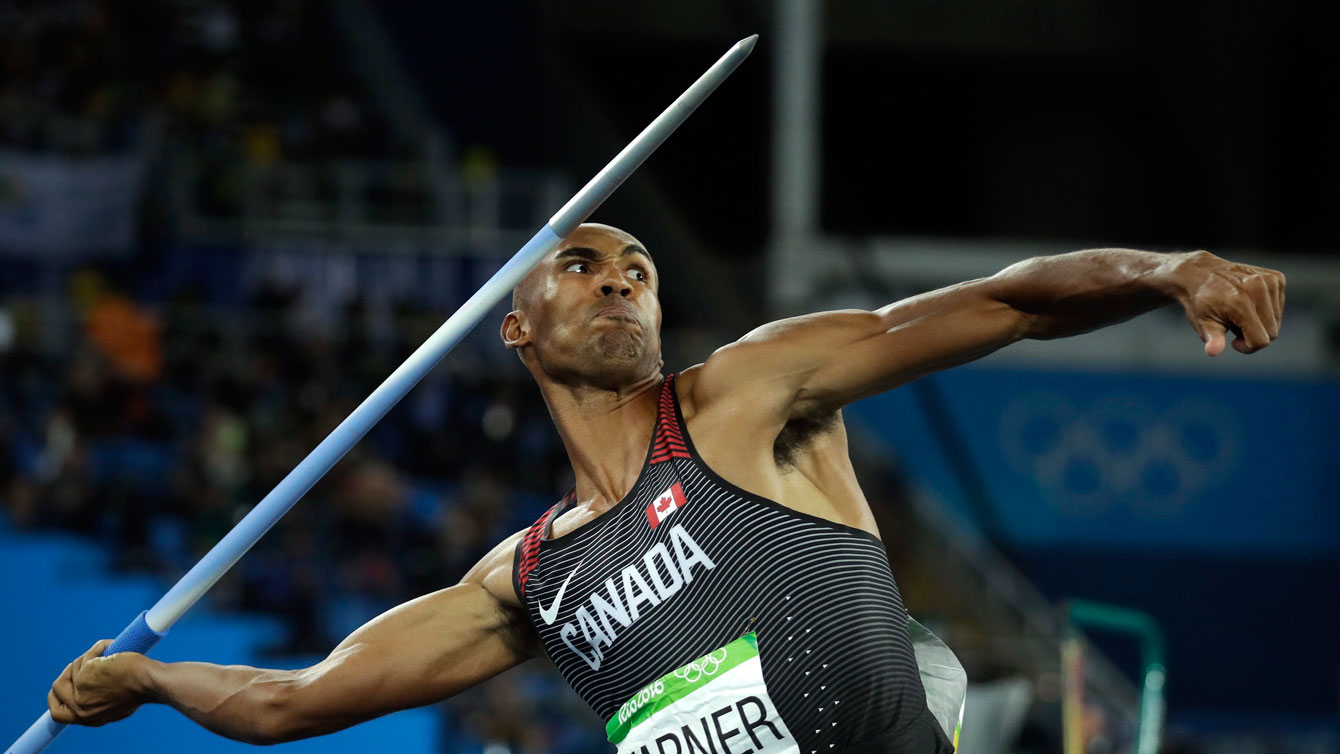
(1272, 308)
(59, 712)
(74, 673)
(1262, 296)
(64, 676)
(67, 691)
(1284, 287)
(1254, 336)
(1214, 335)
(62, 691)
(91, 653)
(1278, 299)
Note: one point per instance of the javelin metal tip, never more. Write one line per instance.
(747, 44)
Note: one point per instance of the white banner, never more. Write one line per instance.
(70, 207)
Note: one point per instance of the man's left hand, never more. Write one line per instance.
(1220, 296)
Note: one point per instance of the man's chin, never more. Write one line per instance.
(619, 345)
(618, 359)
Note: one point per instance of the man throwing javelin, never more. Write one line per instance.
(715, 580)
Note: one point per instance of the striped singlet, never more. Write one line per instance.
(688, 563)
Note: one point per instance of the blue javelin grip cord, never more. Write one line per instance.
(153, 624)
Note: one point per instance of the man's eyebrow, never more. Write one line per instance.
(581, 252)
(633, 248)
(591, 255)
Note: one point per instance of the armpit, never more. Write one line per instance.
(517, 632)
(799, 432)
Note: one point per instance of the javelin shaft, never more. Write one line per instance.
(151, 625)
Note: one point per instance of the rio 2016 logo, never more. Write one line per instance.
(643, 697)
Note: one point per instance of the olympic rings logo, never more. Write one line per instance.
(703, 667)
(1119, 450)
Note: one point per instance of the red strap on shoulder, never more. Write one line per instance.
(530, 544)
(669, 436)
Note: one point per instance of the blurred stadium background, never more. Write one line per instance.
(223, 223)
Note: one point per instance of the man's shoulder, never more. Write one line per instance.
(735, 378)
(709, 384)
(494, 572)
(764, 358)
(685, 383)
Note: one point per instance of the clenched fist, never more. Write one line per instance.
(96, 690)
(1220, 296)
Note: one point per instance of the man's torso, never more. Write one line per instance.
(689, 563)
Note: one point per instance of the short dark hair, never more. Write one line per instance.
(521, 293)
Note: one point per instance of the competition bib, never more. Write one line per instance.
(708, 705)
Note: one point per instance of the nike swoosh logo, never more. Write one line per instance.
(552, 613)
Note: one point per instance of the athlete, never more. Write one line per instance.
(715, 580)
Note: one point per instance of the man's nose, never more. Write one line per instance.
(612, 281)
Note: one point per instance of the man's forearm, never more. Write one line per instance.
(242, 703)
(1074, 293)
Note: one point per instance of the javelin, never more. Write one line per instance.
(153, 624)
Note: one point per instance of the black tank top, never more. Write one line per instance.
(687, 563)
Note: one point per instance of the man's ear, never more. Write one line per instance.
(514, 332)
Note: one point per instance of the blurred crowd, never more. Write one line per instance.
(260, 80)
(153, 418)
(225, 86)
(157, 427)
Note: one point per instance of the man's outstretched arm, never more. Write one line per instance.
(415, 654)
(824, 361)
(1116, 284)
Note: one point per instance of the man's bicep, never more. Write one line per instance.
(418, 653)
(912, 338)
(438, 645)
(830, 359)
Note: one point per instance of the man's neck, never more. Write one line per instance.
(606, 434)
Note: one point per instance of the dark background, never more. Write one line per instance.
(1191, 124)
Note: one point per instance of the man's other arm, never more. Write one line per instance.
(826, 360)
(418, 653)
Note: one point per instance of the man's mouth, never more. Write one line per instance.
(617, 312)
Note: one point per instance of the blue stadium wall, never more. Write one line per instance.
(1208, 502)
(60, 597)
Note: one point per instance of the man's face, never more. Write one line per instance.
(589, 313)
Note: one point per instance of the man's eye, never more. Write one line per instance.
(639, 275)
(577, 267)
